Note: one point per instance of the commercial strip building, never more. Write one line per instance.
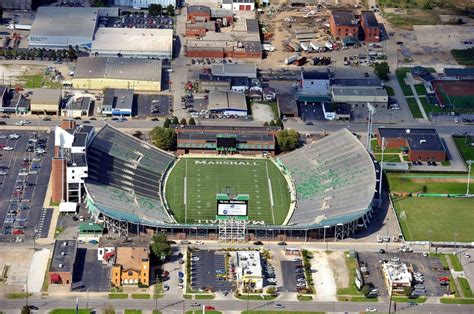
(422, 144)
(45, 100)
(249, 270)
(248, 70)
(227, 103)
(12, 101)
(117, 102)
(100, 73)
(397, 276)
(79, 105)
(133, 43)
(62, 262)
(360, 96)
(144, 4)
(240, 140)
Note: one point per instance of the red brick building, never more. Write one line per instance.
(226, 140)
(343, 24)
(422, 144)
(62, 262)
(199, 29)
(198, 13)
(370, 26)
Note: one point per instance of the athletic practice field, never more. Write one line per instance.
(455, 94)
(193, 183)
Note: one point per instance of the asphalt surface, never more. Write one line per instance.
(289, 275)
(204, 273)
(89, 273)
(34, 185)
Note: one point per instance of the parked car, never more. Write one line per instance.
(94, 242)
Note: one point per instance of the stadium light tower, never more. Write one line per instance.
(469, 162)
(371, 110)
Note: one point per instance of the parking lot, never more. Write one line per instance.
(26, 165)
(152, 105)
(89, 273)
(137, 22)
(208, 271)
(293, 275)
(430, 267)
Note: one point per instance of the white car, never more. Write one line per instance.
(36, 159)
(195, 304)
(19, 123)
(14, 136)
(8, 148)
(170, 70)
(195, 258)
(3, 136)
(301, 284)
(371, 309)
(3, 173)
(23, 174)
(33, 172)
(25, 122)
(467, 255)
(198, 242)
(271, 280)
(395, 259)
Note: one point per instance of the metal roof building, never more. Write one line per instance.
(45, 100)
(133, 43)
(59, 27)
(118, 102)
(242, 70)
(227, 103)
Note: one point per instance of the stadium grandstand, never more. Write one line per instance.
(334, 179)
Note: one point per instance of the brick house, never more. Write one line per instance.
(132, 266)
(343, 24)
(370, 26)
(198, 13)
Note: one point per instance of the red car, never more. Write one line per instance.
(17, 231)
(209, 308)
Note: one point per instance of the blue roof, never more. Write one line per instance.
(459, 71)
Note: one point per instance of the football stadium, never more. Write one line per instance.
(324, 189)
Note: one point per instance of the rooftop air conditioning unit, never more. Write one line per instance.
(60, 265)
(63, 253)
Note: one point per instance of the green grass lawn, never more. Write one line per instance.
(455, 262)
(401, 74)
(466, 289)
(420, 89)
(464, 147)
(142, 296)
(204, 181)
(132, 312)
(304, 297)
(400, 182)
(351, 289)
(406, 299)
(414, 109)
(464, 56)
(456, 301)
(17, 295)
(156, 312)
(390, 91)
(376, 149)
(69, 311)
(204, 297)
(356, 299)
(256, 297)
(118, 295)
(443, 216)
(387, 157)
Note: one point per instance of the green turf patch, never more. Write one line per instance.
(204, 297)
(388, 157)
(464, 56)
(443, 216)
(304, 298)
(200, 312)
(356, 299)
(132, 312)
(465, 287)
(456, 301)
(420, 89)
(69, 311)
(188, 296)
(142, 296)
(414, 109)
(464, 146)
(202, 178)
(351, 289)
(401, 74)
(279, 312)
(256, 297)
(455, 262)
(390, 91)
(156, 312)
(406, 299)
(17, 295)
(118, 295)
(400, 182)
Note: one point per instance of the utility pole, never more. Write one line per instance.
(469, 163)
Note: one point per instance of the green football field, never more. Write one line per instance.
(193, 183)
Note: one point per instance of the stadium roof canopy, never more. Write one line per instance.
(125, 177)
(335, 180)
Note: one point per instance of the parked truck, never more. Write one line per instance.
(301, 61)
(291, 59)
(268, 47)
(21, 27)
(304, 46)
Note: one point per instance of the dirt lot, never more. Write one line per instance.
(337, 262)
(18, 262)
(262, 112)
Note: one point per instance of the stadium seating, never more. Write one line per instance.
(124, 175)
(334, 179)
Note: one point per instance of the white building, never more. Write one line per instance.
(314, 83)
(249, 269)
(360, 96)
(133, 43)
(79, 105)
(239, 5)
(397, 275)
(143, 4)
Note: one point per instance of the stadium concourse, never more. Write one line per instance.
(334, 179)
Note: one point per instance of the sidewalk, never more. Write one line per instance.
(409, 81)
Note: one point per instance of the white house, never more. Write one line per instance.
(314, 83)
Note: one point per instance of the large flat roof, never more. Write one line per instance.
(227, 100)
(138, 40)
(344, 18)
(356, 82)
(359, 92)
(45, 95)
(119, 98)
(370, 19)
(242, 69)
(65, 21)
(418, 139)
(64, 256)
(118, 68)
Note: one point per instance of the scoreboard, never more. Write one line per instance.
(232, 207)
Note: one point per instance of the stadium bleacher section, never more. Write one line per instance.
(334, 178)
(125, 177)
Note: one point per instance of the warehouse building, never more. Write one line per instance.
(248, 70)
(370, 26)
(422, 144)
(355, 83)
(360, 96)
(212, 139)
(62, 262)
(100, 73)
(60, 27)
(343, 24)
(144, 4)
(133, 43)
(227, 103)
(198, 13)
(45, 101)
(117, 102)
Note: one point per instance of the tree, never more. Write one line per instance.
(265, 123)
(167, 123)
(183, 121)
(163, 138)
(175, 120)
(155, 9)
(279, 123)
(287, 140)
(382, 70)
(160, 246)
(192, 121)
(138, 134)
(272, 123)
(170, 10)
(71, 53)
(1, 12)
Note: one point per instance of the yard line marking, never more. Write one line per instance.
(270, 191)
(185, 192)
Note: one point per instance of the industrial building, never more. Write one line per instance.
(61, 27)
(315, 83)
(360, 96)
(355, 83)
(100, 73)
(287, 105)
(245, 140)
(227, 103)
(62, 262)
(198, 13)
(133, 43)
(422, 144)
(45, 101)
(117, 102)
(343, 24)
(199, 29)
(144, 4)
(370, 26)
(248, 70)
